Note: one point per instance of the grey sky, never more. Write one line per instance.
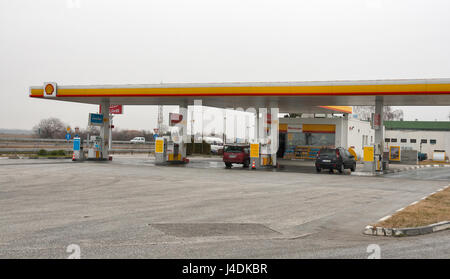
(118, 42)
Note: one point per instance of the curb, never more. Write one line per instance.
(416, 167)
(361, 173)
(381, 231)
(441, 226)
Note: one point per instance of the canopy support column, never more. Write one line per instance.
(379, 133)
(104, 130)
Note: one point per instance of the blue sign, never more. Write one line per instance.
(67, 136)
(155, 136)
(76, 144)
(95, 119)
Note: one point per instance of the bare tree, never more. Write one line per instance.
(293, 115)
(365, 112)
(50, 128)
(391, 114)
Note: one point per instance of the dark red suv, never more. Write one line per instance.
(236, 154)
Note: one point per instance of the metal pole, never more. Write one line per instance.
(224, 126)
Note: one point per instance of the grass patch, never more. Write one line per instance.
(47, 156)
(433, 209)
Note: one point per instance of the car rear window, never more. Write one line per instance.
(233, 149)
(328, 152)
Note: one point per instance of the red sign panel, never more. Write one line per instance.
(175, 118)
(376, 121)
(114, 109)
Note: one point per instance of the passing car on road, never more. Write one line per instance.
(335, 159)
(216, 149)
(216, 145)
(138, 140)
(236, 154)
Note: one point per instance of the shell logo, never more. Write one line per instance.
(49, 89)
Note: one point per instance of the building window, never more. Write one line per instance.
(403, 140)
(393, 140)
(423, 141)
(387, 140)
(432, 141)
(412, 140)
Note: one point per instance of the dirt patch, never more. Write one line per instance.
(433, 209)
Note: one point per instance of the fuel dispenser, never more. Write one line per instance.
(95, 148)
(373, 159)
(169, 151)
(267, 156)
(160, 150)
(378, 158)
(263, 151)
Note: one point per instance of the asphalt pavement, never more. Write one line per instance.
(130, 208)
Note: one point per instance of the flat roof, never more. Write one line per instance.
(418, 125)
(288, 96)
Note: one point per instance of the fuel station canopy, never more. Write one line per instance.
(309, 96)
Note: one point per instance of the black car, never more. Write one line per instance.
(335, 158)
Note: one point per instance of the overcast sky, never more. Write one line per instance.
(117, 42)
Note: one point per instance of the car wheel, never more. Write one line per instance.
(318, 169)
(353, 168)
(228, 165)
(246, 164)
(341, 168)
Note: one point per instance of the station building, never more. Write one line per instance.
(424, 136)
(302, 137)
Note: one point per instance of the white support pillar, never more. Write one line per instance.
(183, 110)
(274, 134)
(104, 130)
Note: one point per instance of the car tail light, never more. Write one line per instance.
(337, 153)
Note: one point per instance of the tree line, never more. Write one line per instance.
(54, 128)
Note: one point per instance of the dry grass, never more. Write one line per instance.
(17, 136)
(434, 209)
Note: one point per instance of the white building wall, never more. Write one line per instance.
(442, 140)
(359, 135)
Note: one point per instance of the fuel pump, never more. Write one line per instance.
(378, 158)
(160, 150)
(267, 138)
(168, 151)
(95, 144)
